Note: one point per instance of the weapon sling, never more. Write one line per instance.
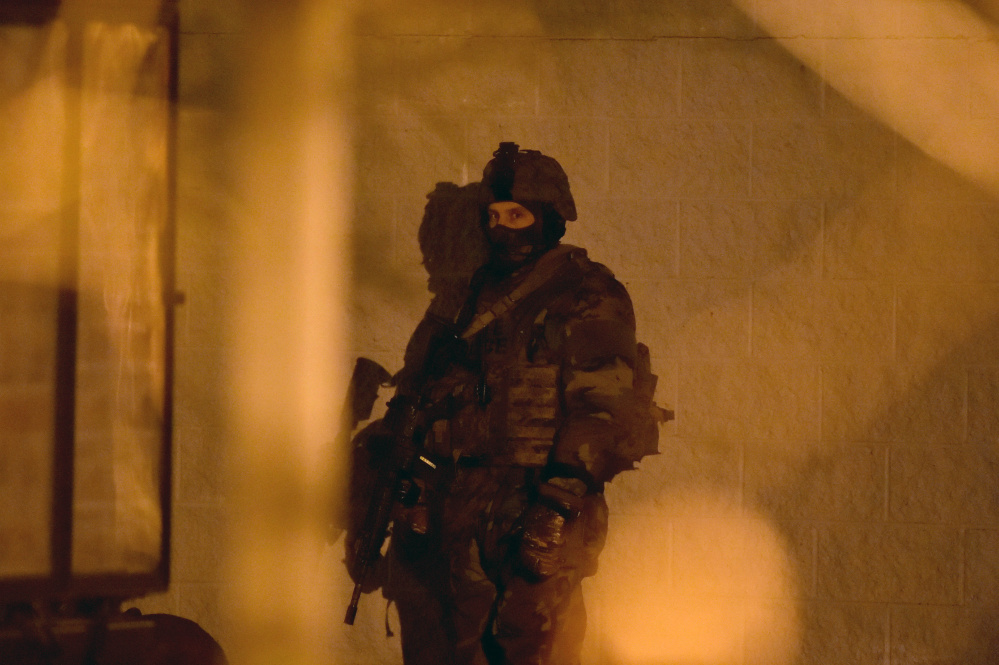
(544, 270)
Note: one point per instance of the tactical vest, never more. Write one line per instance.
(508, 399)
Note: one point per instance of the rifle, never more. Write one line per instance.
(401, 468)
(362, 393)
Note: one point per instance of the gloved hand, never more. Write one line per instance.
(414, 514)
(541, 540)
(545, 523)
(414, 518)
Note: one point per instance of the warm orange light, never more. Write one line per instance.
(694, 582)
(286, 332)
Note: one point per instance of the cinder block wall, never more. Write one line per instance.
(211, 39)
(819, 297)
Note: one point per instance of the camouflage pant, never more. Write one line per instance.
(461, 597)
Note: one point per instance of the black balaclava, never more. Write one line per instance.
(513, 247)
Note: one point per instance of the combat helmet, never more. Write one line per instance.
(529, 178)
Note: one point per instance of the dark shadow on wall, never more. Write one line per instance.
(453, 246)
(452, 243)
(921, 561)
(644, 18)
(989, 9)
(984, 649)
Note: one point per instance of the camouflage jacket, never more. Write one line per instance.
(546, 382)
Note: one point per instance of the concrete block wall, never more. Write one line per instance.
(818, 295)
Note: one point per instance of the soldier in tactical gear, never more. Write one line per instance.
(531, 399)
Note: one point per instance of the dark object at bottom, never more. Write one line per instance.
(128, 638)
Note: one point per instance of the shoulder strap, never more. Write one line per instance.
(547, 267)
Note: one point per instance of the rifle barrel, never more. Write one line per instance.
(355, 599)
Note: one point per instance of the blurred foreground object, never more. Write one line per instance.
(86, 319)
(932, 74)
(96, 632)
(284, 329)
